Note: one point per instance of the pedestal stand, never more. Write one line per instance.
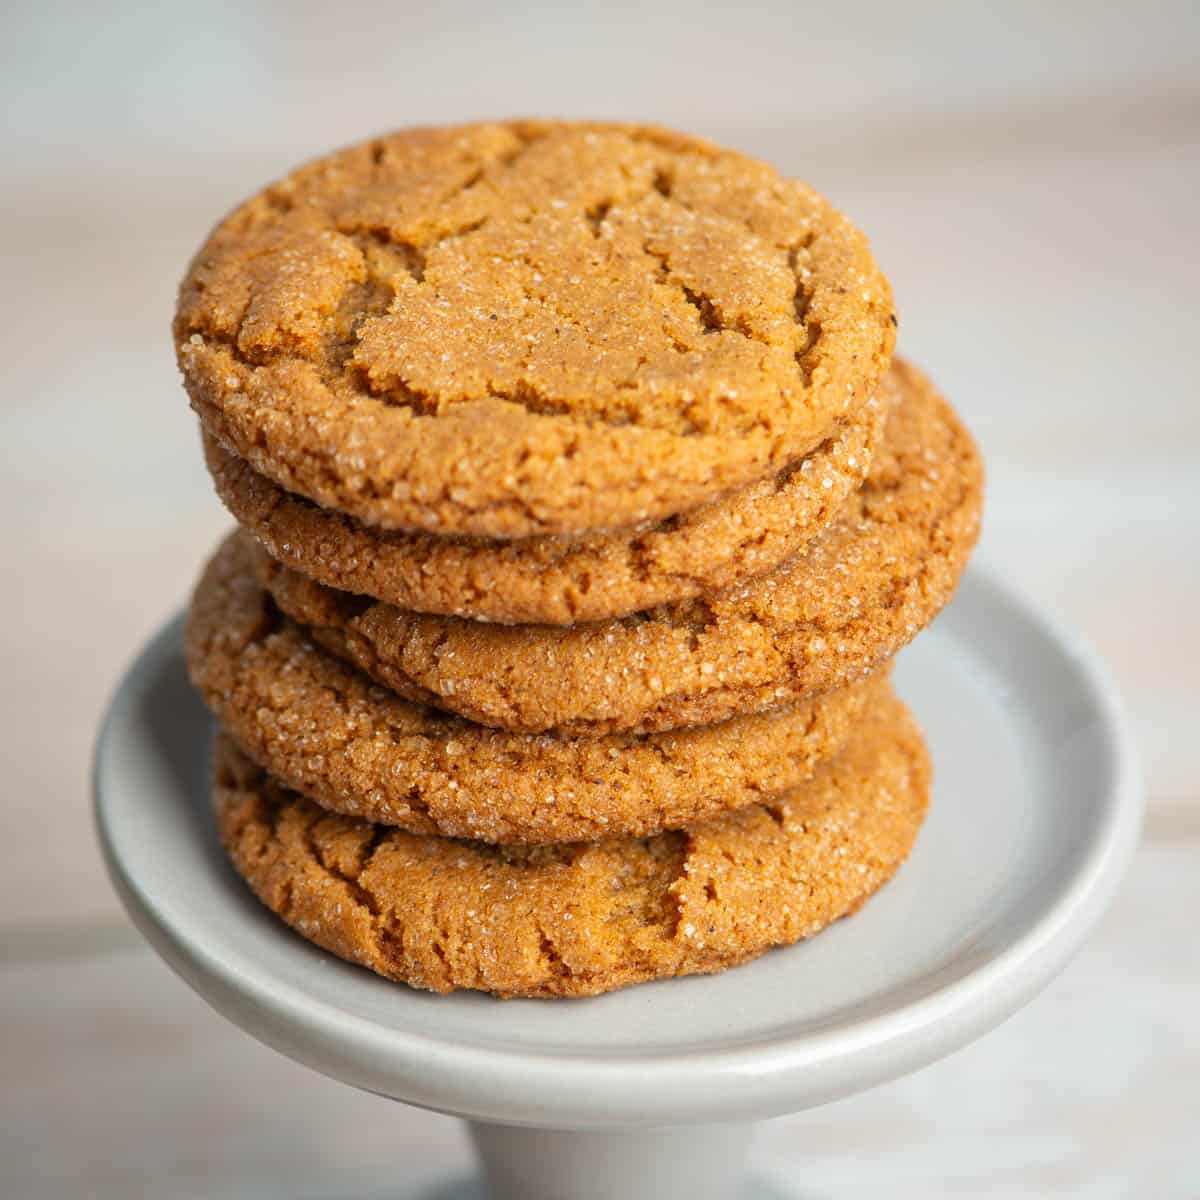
(652, 1092)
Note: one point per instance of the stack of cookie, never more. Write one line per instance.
(582, 510)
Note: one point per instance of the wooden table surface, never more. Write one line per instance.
(1030, 186)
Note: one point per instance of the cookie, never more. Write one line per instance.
(583, 918)
(558, 580)
(860, 591)
(529, 328)
(324, 729)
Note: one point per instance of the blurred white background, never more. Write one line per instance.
(1030, 177)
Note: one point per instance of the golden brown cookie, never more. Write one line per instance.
(323, 728)
(582, 918)
(558, 580)
(861, 590)
(528, 328)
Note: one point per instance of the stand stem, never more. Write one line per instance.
(701, 1162)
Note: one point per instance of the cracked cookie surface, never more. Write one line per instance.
(559, 580)
(861, 589)
(581, 918)
(530, 327)
(324, 729)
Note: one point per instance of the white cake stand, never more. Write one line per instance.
(652, 1092)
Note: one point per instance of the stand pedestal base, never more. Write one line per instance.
(699, 1162)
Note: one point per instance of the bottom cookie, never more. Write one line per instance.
(581, 918)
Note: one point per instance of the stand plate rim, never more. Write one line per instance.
(136, 760)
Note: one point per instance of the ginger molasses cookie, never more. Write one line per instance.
(325, 729)
(581, 918)
(529, 327)
(860, 591)
(558, 580)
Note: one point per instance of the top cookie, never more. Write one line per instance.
(531, 327)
